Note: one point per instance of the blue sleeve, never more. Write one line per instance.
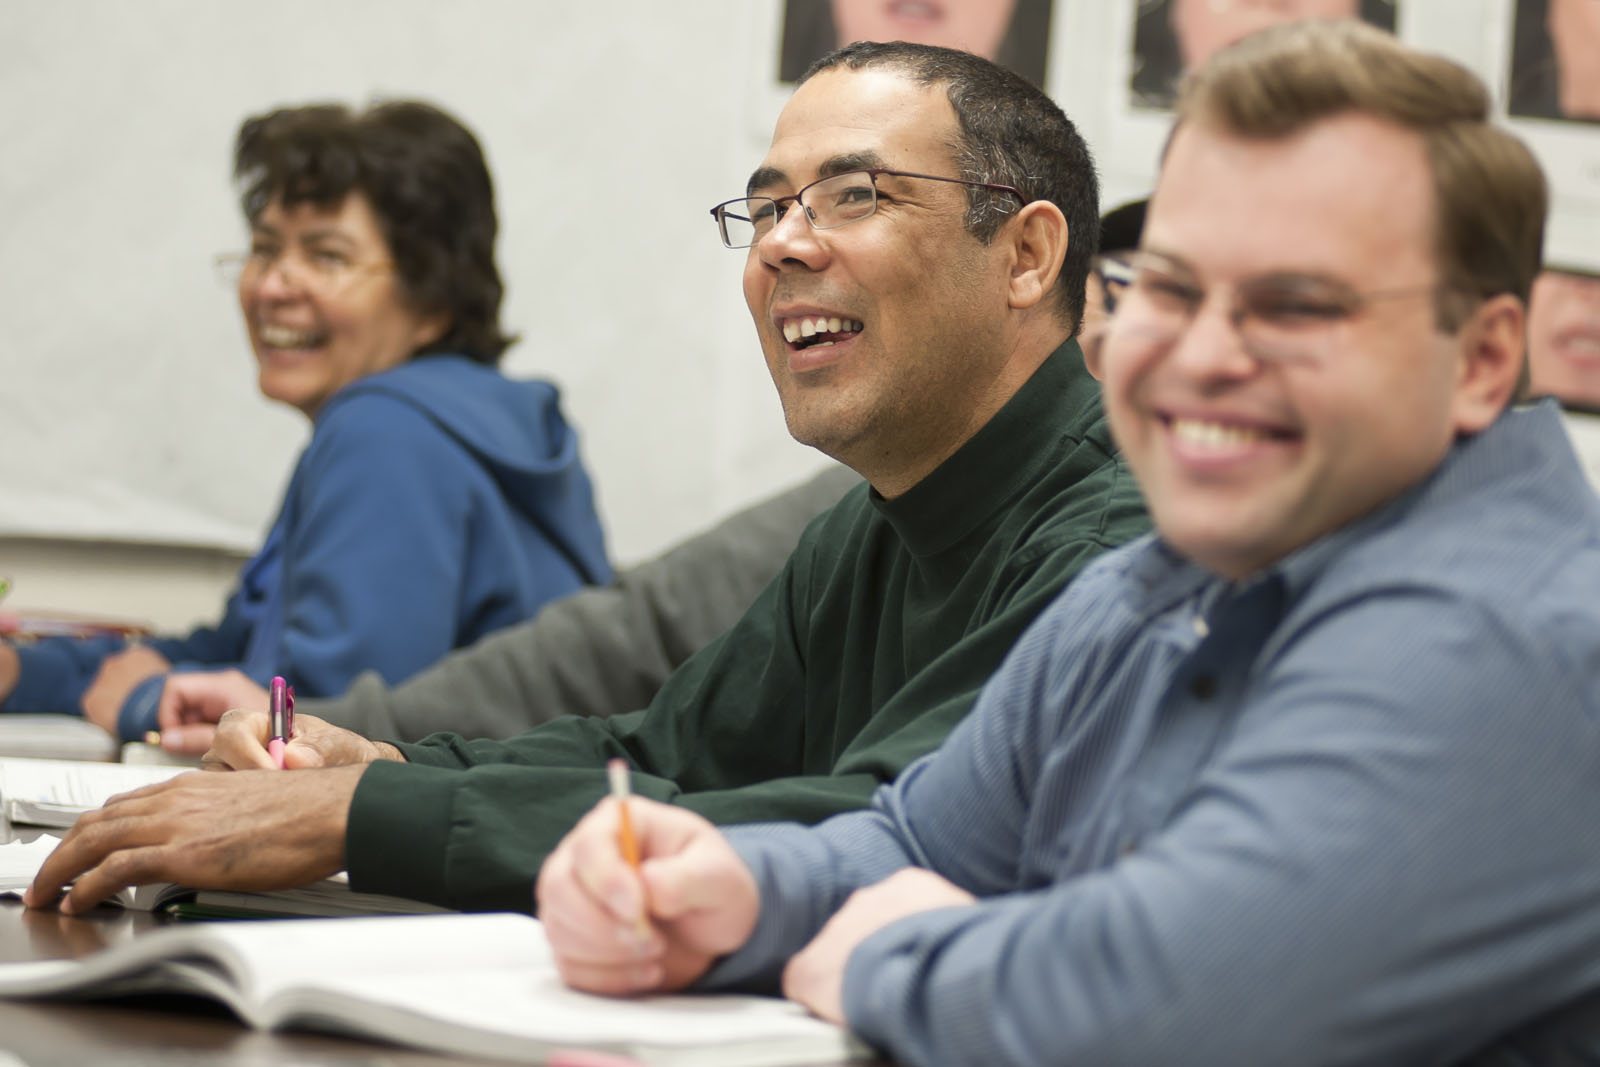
(375, 532)
(375, 549)
(55, 671)
(1390, 863)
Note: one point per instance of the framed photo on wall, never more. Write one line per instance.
(1013, 33)
(1152, 44)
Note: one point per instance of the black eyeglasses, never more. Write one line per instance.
(826, 203)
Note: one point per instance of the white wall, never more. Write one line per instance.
(131, 413)
(610, 128)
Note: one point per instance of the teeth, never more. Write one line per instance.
(795, 329)
(284, 337)
(1213, 434)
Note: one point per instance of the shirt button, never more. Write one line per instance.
(1202, 687)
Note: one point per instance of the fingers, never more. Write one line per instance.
(207, 831)
(592, 908)
(299, 756)
(84, 858)
(318, 743)
(192, 739)
(596, 860)
(240, 742)
(203, 696)
(617, 930)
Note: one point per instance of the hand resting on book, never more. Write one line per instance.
(202, 831)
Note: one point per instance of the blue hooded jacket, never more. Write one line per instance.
(435, 502)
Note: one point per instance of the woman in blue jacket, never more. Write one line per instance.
(437, 499)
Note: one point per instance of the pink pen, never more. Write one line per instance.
(281, 719)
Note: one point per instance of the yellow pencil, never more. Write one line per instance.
(627, 843)
(617, 770)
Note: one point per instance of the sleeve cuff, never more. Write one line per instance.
(790, 866)
(139, 711)
(398, 833)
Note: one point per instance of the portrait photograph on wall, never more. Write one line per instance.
(1013, 33)
(1172, 36)
(1555, 61)
(1564, 338)
(1548, 57)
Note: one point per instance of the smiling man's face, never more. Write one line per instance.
(1243, 459)
(921, 304)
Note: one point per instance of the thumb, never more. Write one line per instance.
(700, 877)
(301, 753)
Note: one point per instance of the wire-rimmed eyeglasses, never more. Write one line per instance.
(826, 203)
(1278, 317)
(322, 271)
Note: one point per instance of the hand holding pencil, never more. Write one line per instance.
(643, 895)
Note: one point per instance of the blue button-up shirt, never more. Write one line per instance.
(1344, 812)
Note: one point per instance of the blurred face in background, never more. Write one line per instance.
(976, 26)
(322, 303)
(1564, 337)
(1574, 27)
(1204, 26)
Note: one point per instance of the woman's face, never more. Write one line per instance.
(1204, 26)
(976, 26)
(322, 303)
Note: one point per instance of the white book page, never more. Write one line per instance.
(73, 785)
(20, 862)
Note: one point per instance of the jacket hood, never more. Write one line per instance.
(515, 428)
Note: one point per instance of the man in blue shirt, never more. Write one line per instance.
(1308, 776)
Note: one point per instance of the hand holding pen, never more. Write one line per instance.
(281, 713)
(643, 895)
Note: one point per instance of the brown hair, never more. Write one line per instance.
(1488, 188)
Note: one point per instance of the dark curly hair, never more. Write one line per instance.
(424, 175)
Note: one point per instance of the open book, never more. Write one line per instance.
(20, 862)
(474, 985)
(52, 792)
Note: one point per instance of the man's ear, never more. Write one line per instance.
(1038, 243)
(1492, 349)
